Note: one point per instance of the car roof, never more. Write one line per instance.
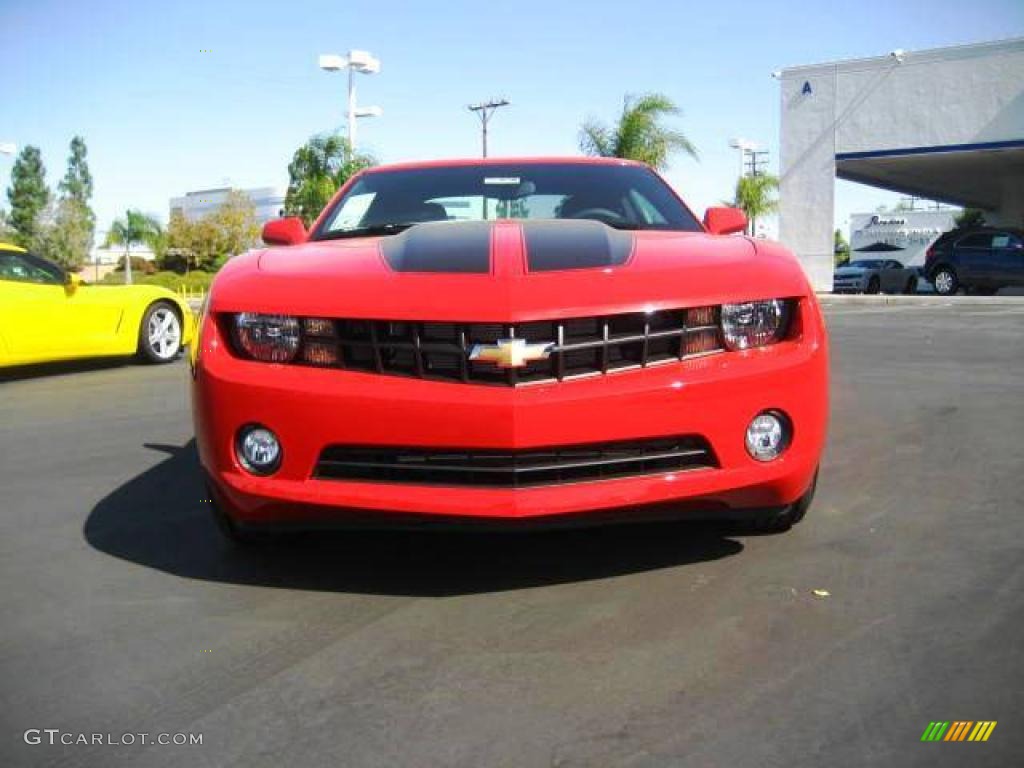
(984, 230)
(485, 161)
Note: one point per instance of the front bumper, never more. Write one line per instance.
(714, 397)
(848, 286)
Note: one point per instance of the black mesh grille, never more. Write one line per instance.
(514, 469)
(577, 347)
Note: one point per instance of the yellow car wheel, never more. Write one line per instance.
(160, 333)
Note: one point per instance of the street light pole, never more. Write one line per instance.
(351, 117)
(485, 111)
(356, 61)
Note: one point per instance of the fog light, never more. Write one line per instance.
(768, 435)
(258, 450)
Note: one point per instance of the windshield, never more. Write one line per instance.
(866, 263)
(622, 196)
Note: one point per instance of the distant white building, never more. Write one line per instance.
(268, 202)
(111, 255)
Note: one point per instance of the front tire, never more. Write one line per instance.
(911, 286)
(946, 282)
(781, 520)
(160, 333)
(230, 529)
(874, 286)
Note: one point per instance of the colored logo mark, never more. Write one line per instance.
(511, 353)
(959, 730)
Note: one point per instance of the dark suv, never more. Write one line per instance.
(981, 260)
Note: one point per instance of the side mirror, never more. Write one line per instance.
(724, 221)
(71, 282)
(286, 231)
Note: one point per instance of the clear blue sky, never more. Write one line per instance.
(162, 117)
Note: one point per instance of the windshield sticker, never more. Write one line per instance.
(501, 180)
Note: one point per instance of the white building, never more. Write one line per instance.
(268, 202)
(944, 124)
(115, 253)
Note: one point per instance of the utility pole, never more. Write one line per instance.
(742, 146)
(757, 161)
(485, 111)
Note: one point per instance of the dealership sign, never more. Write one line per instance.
(903, 236)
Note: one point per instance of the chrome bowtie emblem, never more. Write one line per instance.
(511, 353)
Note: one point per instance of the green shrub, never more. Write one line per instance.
(194, 280)
(139, 266)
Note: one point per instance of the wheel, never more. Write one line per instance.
(946, 282)
(228, 527)
(160, 333)
(911, 286)
(873, 286)
(781, 520)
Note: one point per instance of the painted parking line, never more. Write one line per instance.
(885, 309)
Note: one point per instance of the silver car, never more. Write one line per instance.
(874, 276)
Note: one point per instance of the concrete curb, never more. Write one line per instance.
(840, 299)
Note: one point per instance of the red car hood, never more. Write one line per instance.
(358, 278)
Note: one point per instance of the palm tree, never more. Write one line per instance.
(754, 196)
(639, 133)
(135, 228)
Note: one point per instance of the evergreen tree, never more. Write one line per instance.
(75, 218)
(77, 182)
(28, 195)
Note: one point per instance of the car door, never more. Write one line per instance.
(972, 256)
(1007, 259)
(891, 275)
(906, 275)
(33, 309)
(95, 311)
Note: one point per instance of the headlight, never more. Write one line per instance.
(754, 323)
(270, 338)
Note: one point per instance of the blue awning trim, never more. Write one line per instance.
(941, 149)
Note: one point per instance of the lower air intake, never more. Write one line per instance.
(514, 469)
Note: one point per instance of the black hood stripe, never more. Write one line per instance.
(574, 244)
(465, 246)
(456, 246)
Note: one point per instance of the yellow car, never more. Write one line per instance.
(48, 314)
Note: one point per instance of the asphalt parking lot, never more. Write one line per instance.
(123, 611)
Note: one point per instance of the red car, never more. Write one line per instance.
(554, 341)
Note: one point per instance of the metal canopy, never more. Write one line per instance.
(976, 175)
